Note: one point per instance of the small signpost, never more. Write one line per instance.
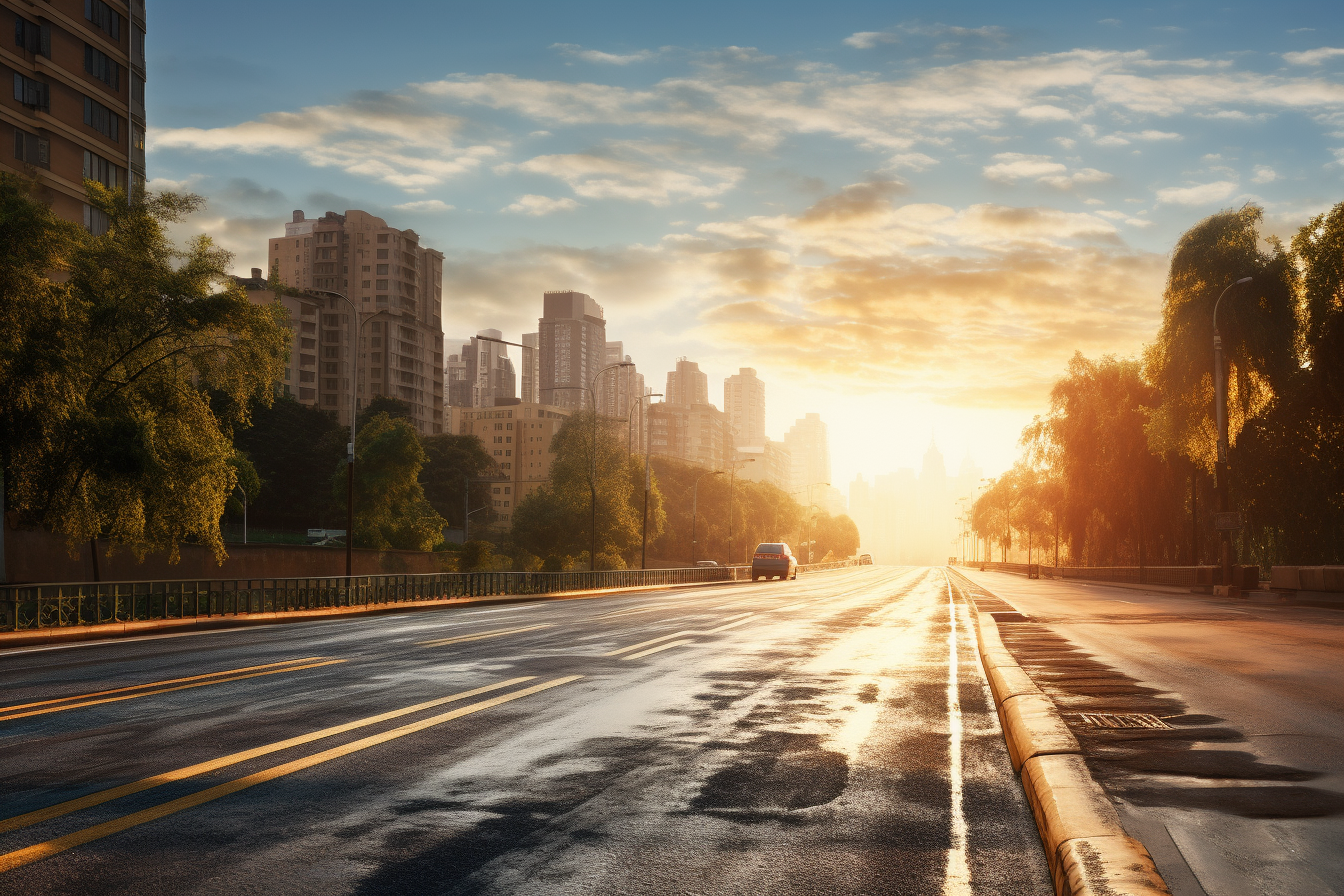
(1228, 522)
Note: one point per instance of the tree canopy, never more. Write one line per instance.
(390, 506)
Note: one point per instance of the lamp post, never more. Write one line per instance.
(695, 495)
(648, 484)
(630, 420)
(592, 474)
(732, 478)
(1220, 413)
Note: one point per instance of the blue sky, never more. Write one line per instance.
(906, 217)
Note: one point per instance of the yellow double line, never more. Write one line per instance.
(130, 692)
(37, 852)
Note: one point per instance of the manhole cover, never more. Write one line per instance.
(1009, 617)
(1122, 720)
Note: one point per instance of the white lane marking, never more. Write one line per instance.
(660, 647)
(957, 879)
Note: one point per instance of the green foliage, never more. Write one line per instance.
(554, 520)
(383, 404)
(1257, 321)
(450, 460)
(1319, 247)
(390, 506)
(293, 448)
(834, 537)
(107, 378)
(480, 556)
(247, 484)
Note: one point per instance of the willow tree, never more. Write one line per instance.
(126, 363)
(1257, 321)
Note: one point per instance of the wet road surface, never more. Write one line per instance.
(1242, 789)
(832, 735)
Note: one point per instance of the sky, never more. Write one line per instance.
(906, 217)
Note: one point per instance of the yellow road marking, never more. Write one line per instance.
(152, 684)
(201, 768)
(497, 633)
(724, 628)
(660, 647)
(20, 857)
(180, 687)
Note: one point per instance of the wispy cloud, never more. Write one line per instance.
(1199, 194)
(1264, 174)
(600, 57)
(532, 204)
(635, 170)
(1010, 167)
(1313, 57)
(866, 40)
(424, 205)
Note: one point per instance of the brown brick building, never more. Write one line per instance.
(76, 109)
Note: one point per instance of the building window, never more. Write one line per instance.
(102, 67)
(32, 37)
(100, 169)
(95, 220)
(102, 15)
(382, 269)
(102, 119)
(138, 44)
(32, 92)
(382, 284)
(32, 149)
(382, 238)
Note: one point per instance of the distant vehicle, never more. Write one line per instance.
(706, 563)
(865, 559)
(773, 560)
(323, 537)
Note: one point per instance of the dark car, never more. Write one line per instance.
(773, 560)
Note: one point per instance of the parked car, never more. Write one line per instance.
(706, 563)
(773, 560)
(865, 559)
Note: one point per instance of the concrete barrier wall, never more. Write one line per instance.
(34, 556)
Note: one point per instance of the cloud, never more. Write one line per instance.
(1010, 167)
(1199, 194)
(1264, 174)
(1313, 57)
(866, 40)
(914, 160)
(383, 137)
(1113, 23)
(1123, 138)
(185, 185)
(598, 56)
(425, 205)
(532, 204)
(646, 172)
(1045, 112)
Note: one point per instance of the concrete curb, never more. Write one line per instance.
(117, 630)
(1088, 851)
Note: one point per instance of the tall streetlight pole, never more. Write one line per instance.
(592, 475)
(1220, 412)
(732, 478)
(630, 419)
(695, 496)
(648, 485)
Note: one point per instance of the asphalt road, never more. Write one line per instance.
(1243, 793)
(826, 736)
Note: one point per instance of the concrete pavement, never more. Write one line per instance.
(1242, 791)
(830, 735)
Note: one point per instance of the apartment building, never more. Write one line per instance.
(770, 463)
(810, 451)
(77, 108)
(744, 403)
(572, 342)
(529, 378)
(518, 436)
(697, 433)
(687, 385)
(395, 286)
(487, 376)
(617, 394)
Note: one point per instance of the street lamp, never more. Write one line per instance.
(731, 482)
(1220, 412)
(695, 495)
(648, 485)
(592, 476)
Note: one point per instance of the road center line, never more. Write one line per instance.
(180, 687)
(957, 878)
(496, 633)
(201, 768)
(39, 851)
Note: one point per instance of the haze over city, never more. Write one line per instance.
(907, 222)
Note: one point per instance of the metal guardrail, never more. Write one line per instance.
(62, 605)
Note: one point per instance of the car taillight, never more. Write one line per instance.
(769, 556)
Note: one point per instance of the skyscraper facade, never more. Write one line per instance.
(395, 284)
(810, 451)
(572, 343)
(744, 403)
(77, 110)
(529, 377)
(687, 385)
(488, 375)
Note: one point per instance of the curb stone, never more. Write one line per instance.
(1088, 851)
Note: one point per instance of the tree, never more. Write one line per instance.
(293, 448)
(835, 537)
(383, 404)
(109, 426)
(1257, 322)
(450, 460)
(1319, 248)
(390, 506)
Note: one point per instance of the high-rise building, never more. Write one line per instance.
(396, 287)
(529, 379)
(809, 449)
(517, 435)
(617, 391)
(572, 342)
(767, 463)
(744, 403)
(77, 110)
(488, 377)
(686, 385)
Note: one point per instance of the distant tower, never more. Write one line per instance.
(809, 448)
(572, 343)
(744, 403)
